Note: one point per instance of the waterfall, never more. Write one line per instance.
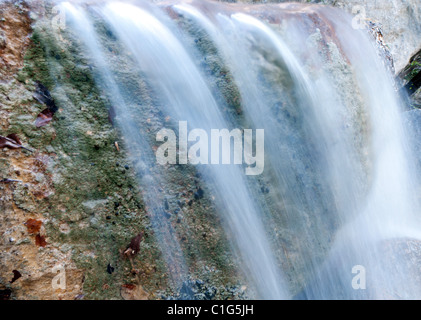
(338, 159)
(136, 138)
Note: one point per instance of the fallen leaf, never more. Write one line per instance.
(133, 292)
(9, 143)
(16, 276)
(129, 286)
(44, 118)
(40, 241)
(12, 141)
(33, 225)
(14, 137)
(134, 246)
(42, 95)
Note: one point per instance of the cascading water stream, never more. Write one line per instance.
(168, 66)
(136, 138)
(357, 242)
(344, 190)
(288, 161)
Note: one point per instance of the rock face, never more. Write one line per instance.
(400, 22)
(69, 209)
(411, 79)
(26, 248)
(14, 36)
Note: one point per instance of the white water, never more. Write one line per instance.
(344, 193)
(135, 137)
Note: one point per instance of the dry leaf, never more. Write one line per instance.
(44, 118)
(42, 95)
(134, 246)
(40, 241)
(33, 225)
(9, 143)
(12, 141)
(133, 292)
(14, 137)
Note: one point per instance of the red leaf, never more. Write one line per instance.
(40, 241)
(44, 118)
(12, 141)
(134, 246)
(129, 286)
(33, 225)
(9, 142)
(14, 137)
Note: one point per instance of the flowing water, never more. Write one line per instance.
(337, 157)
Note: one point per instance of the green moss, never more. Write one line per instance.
(86, 167)
(90, 168)
(219, 77)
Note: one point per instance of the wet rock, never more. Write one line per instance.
(410, 78)
(197, 289)
(199, 194)
(400, 21)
